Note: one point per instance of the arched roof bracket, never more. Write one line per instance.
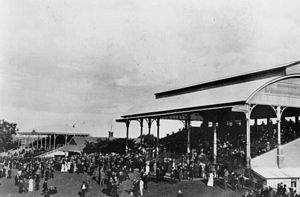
(251, 107)
(269, 83)
(278, 111)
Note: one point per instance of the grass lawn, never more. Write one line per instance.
(68, 185)
(189, 189)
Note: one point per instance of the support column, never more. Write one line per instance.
(215, 141)
(32, 140)
(37, 142)
(248, 138)
(149, 126)
(45, 142)
(268, 121)
(157, 140)
(66, 137)
(127, 134)
(141, 124)
(19, 142)
(50, 136)
(256, 126)
(188, 129)
(278, 114)
(54, 143)
(41, 142)
(280, 156)
(297, 125)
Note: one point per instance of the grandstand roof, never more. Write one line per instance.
(82, 140)
(54, 133)
(225, 96)
(77, 144)
(223, 93)
(277, 70)
(266, 164)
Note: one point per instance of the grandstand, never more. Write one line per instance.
(41, 143)
(51, 144)
(250, 115)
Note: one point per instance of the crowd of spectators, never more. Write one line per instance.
(281, 191)
(231, 140)
(264, 136)
(29, 173)
(231, 145)
(113, 170)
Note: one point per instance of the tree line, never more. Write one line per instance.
(7, 131)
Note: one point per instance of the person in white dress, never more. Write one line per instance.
(141, 187)
(75, 167)
(30, 184)
(210, 180)
(68, 166)
(62, 167)
(147, 170)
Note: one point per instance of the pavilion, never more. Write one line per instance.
(263, 94)
(48, 140)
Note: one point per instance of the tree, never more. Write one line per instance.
(92, 147)
(150, 140)
(7, 130)
(116, 146)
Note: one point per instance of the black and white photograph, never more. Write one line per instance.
(149, 98)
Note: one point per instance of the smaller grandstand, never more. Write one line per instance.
(51, 144)
(266, 168)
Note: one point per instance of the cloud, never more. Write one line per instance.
(86, 59)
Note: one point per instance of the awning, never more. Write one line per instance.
(276, 173)
(212, 98)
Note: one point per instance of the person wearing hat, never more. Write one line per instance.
(179, 194)
(83, 188)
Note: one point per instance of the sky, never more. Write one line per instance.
(85, 63)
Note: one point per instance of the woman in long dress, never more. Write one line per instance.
(141, 183)
(210, 179)
(30, 185)
(62, 167)
(68, 164)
